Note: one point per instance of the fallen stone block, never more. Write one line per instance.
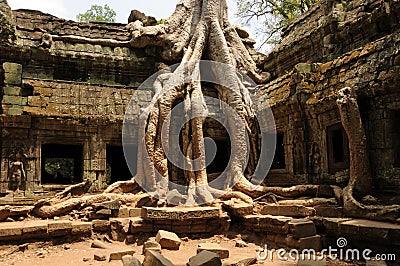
(119, 228)
(100, 257)
(154, 258)
(117, 255)
(205, 258)
(168, 240)
(151, 245)
(129, 260)
(99, 244)
(59, 228)
(302, 228)
(101, 225)
(214, 247)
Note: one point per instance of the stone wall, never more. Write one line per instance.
(330, 29)
(303, 102)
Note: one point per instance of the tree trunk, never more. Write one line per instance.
(360, 174)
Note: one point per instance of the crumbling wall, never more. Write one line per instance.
(374, 72)
(330, 29)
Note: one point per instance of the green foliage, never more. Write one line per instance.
(60, 168)
(97, 13)
(274, 15)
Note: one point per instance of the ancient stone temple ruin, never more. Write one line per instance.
(333, 88)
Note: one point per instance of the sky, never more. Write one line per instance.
(68, 9)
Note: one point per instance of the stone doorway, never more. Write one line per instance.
(117, 166)
(61, 164)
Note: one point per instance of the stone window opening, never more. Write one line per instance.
(279, 162)
(338, 148)
(118, 169)
(395, 121)
(61, 164)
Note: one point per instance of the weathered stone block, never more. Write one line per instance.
(99, 244)
(12, 90)
(288, 210)
(139, 225)
(129, 260)
(180, 213)
(302, 228)
(223, 253)
(135, 212)
(151, 245)
(81, 228)
(60, 228)
(38, 229)
(168, 240)
(205, 258)
(117, 255)
(14, 100)
(238, 209)
(101, 225)
(123, 212)
(10, 231)
(119, 228)
(154, 258)
(12, 73)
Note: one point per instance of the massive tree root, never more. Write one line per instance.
(198, 29)
(360, 174)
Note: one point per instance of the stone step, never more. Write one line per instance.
(369, 231)
(302, 211)
(196, 225)
(285, 231)
(39, 229)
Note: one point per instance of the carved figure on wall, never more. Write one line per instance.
(17, 174)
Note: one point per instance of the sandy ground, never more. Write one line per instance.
(46, 254)
(73, 254)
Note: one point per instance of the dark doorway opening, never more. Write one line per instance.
(222, 151)
(61, 164)
(395, 118)
(117, 166)
(338, 148)
(279, 161)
